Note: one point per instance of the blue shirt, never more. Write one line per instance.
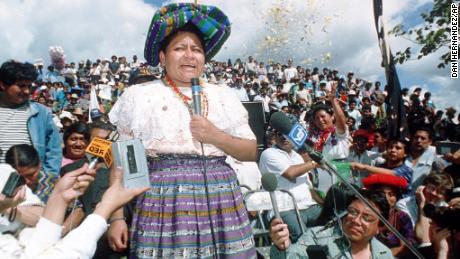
(405, 172)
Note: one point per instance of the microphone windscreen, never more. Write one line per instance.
(195, 81)
(269, 182)
(280, 122)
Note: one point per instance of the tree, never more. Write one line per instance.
(433, 35)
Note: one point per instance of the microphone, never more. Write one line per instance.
(196, 96)
(270, 183)
(102, 149)
(333, 221)
(296, 134)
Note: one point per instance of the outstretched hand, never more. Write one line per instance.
(67, 189)
(331, 95)
(116, 195)
(357, 166)
(420, 197)
(75, 183)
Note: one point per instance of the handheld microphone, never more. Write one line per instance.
(196, 96)
(270, 183)
(296, 134)
(102, 149)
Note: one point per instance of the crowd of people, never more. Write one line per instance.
(48, 119)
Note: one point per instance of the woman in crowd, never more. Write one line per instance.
(194, 208)
(329, 134)
(76, 139)
(393, 187)
(25, 160)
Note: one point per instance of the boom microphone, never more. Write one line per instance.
(196, 96)
(270, 183)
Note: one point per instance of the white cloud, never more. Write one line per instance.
(343, 30)
(84, 28)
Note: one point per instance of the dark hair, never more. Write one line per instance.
(382, 131)
(78, 127)
(426, 129)
(14, 71)
(393, 140)
(378, 199)
(22, 155)
(321, 107)
(367, 123)
(188, 27)
(102, 125)
(366, 108)
(353, 119)
(398, 190)
(337, 199)
(441, 180)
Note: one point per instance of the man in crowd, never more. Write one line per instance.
(292, 173)
(354, 113)
(25, 122)
(360, 154)
(422, 156)
(394, 164)
(290, 72)
(356, 238)
(434, 190)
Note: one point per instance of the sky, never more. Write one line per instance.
(333, 33)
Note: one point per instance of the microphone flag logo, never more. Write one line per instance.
(298, 135)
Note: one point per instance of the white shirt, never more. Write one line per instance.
(289, 73)
(355, 114)
(154, 114)
(44, 241)
(367, 158)
(265, 101)
(340, 150)
(13, 227)
(277, 161)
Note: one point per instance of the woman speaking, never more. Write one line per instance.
(194, 208)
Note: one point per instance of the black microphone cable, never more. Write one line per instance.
(196, 95)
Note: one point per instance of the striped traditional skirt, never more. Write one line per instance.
(172, 219)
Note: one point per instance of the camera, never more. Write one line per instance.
(442, 214)
(10, 180)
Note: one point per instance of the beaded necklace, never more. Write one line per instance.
(185, 99)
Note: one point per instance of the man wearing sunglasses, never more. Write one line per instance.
(354, 237)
